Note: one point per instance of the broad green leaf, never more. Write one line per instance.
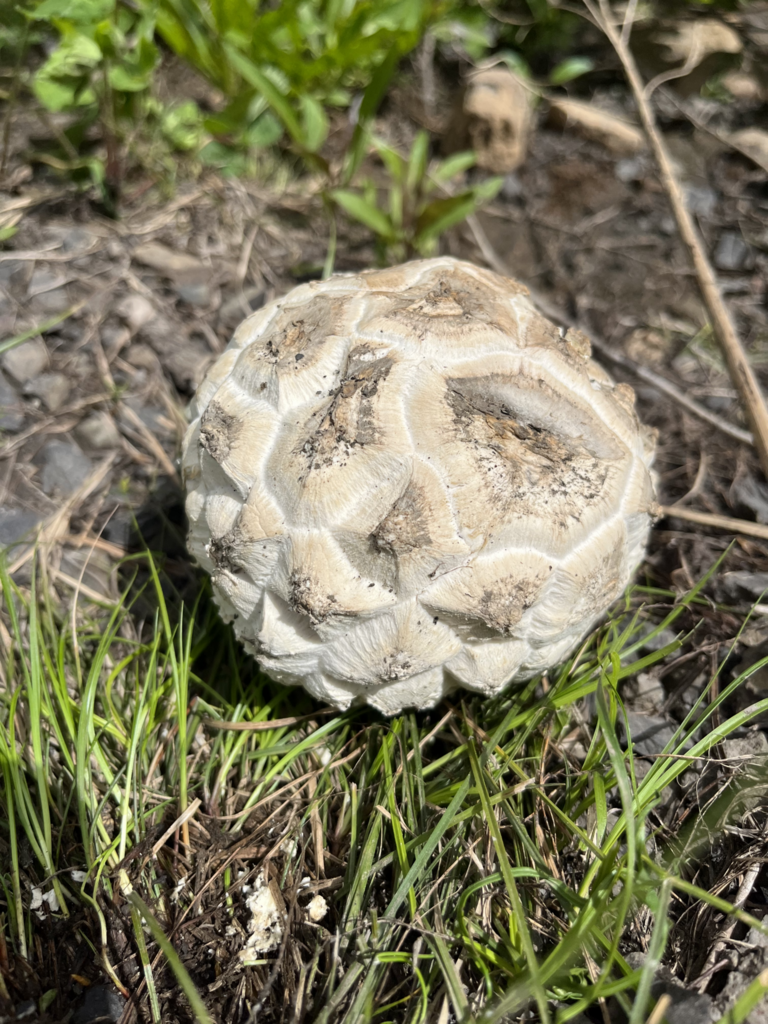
(468, 30)
(232, 15)
(125, 79)
(569, 69)
(396, 206)
(78, 12)
(147, 55)
(453, 165)
(487, 190)
(392, 160)
(372, 97)
(417, 163)
(364, 212)
(75, 55)
(264, 132)
(314, 123)
(54, 96)
(514, 62)
(269, 91)
(441, 214)
(182, 125)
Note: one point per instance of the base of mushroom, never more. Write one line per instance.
(420, 692)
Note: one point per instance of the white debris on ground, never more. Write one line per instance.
(178, 889)
(317, 908)
(39, 897)
(267, 920)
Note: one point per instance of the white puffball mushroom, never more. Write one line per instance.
(407, 481)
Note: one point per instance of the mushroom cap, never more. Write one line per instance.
(408, 480)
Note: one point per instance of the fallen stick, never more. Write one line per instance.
(718, 522)
(739, 368)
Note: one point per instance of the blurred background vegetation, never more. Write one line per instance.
(123, 89)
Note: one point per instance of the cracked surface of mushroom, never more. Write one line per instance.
(408, 480)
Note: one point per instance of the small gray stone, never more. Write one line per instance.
(8, 268)
(718, 403)
(27, 360)
(741, 581)
(188, 364)
(114, 338)
(98, 431)
(44, 280)
(632, 168)
(11, 408)
(686, 1007)
(700, 200)
(662, 639)
(47, 291)
(195, 293)
(754, 494)
(65, 467)
(152, 417)
(162, 334)
(512, 187)
(650, 733)
(15, 524)
(76, 238)
(751, 964)
(136, 310)
(746, 748)
(240, 306)
(645, 693)
(51, 388)
(50, 303)
(732, 252)
(102, 1004)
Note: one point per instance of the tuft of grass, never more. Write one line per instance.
(491, 860)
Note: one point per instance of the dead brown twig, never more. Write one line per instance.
(736, 358)
(748, 883)
(744, 526)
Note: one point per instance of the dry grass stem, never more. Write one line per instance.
(717, 522)
(739, 367)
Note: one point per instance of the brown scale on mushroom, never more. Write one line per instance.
(408, 480)
(216, 429)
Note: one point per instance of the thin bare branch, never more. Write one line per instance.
(728, 523)
(735, 356)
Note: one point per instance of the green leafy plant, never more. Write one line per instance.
(281, 67)
(418, 207)
(101, 70)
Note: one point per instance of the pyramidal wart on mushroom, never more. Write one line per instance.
(406, 481)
